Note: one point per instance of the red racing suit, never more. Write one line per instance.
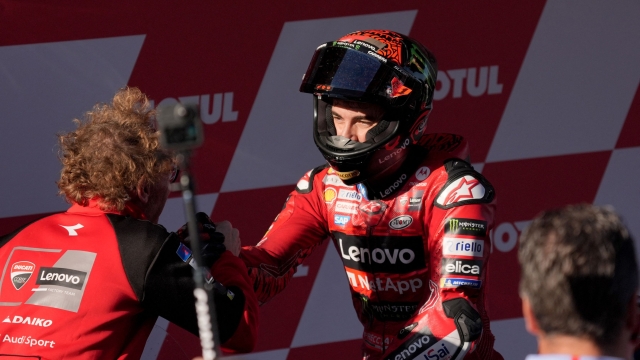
(86, 284)
(415, 260)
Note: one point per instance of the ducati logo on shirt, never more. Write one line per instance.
(21, 272)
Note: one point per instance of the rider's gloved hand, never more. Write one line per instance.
(212, 241)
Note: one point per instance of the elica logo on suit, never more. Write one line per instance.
(461, 267)
(70, 278)
(21, 272)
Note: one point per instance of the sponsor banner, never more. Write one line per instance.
(341, 220)
(375, 341)
(400, 222)
(461, 226)
(458, 282)
(422, 173)
(387, 254)
(423, 345)
(415, 202)
(349, 195)
(17, 319)
(21, 272)
(70, 278)
(332, 180)
(463, 247)
(366, 283)
(461, 267)
(348, 175)
(346, 207)
(28, 341)
(329, 194)
(62, 284)
(386, 310)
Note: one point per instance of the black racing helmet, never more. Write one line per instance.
(372, 66)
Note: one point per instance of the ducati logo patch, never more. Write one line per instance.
(21, 272)
(463, 189)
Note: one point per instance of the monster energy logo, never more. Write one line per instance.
(462, 226)
(453, 225)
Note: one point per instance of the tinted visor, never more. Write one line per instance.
(354, 75)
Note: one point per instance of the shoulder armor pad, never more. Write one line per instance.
(463, 186)
(305, 185)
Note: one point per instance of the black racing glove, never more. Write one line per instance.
(211, 241)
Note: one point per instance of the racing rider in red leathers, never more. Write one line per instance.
(408, 215)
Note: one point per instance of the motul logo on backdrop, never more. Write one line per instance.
(213, 107)
(472, 81)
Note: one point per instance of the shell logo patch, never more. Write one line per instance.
(329, 195)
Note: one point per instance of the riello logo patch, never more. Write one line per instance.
(21, 272)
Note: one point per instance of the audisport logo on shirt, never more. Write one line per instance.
(21, 273)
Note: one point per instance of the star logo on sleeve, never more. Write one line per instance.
(465, 188)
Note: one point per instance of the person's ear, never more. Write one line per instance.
(143, 190)
(530, 322)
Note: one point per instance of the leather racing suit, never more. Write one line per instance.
(88, 284)
(415, 258)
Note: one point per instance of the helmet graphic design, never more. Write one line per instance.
(372, 66)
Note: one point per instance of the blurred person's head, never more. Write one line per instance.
(114, 157)
(579, 279)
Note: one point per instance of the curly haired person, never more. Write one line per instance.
(90, 282)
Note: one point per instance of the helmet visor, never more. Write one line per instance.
(355, 75)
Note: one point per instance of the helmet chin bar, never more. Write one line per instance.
(344, 143)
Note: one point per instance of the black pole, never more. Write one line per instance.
(205, 306)
(181, 131)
